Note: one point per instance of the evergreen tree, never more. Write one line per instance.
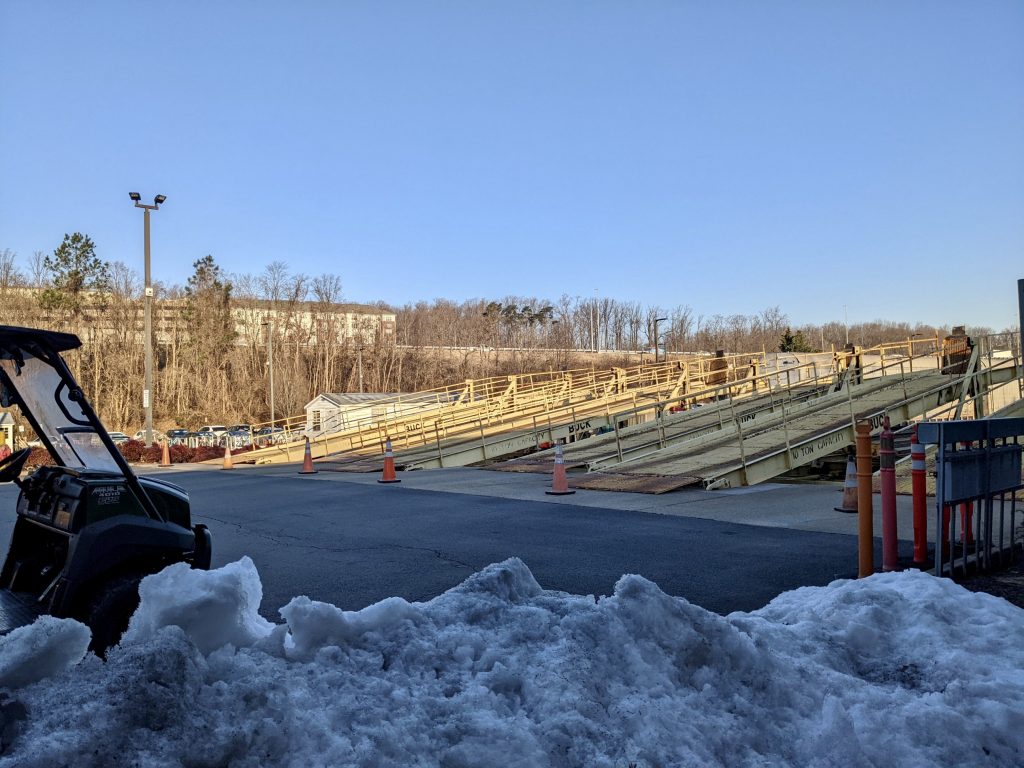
(210, 337)
(208, 307)
(78, 277)
(791, 342)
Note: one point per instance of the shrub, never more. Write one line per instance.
(132, 450)
(151, 454)
(206, 452)
(180, 454)
(136, 452)
(40, 457)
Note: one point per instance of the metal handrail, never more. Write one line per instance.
(882, 412)
(774, 423)
(556, 394)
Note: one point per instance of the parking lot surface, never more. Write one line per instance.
(348, 540)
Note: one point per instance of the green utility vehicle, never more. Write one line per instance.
(87, 530)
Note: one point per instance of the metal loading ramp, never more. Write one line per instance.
(666, 428)
(762, 441)
(643, 410)
(634, 423)
(468, 427)
(686, 451)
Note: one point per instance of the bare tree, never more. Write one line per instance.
(10, 275)
(37, 271)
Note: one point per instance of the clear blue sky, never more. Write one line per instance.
(726, 155)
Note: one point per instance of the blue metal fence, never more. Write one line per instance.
(977, 474)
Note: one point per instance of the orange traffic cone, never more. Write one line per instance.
(228, 464)
(850, 486)
(389, 465)
(559, 483)
(307, 461)
(165, 456)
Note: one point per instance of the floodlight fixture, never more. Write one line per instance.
(159, 199)
(135, 196)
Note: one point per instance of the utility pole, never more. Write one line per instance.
(269, 325)
(147, 391)
(359, 357)
(593, 333)
(1020, 317)
(656, 321)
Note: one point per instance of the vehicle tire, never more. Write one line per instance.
(109, 611)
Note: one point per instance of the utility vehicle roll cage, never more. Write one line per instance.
(34, 376)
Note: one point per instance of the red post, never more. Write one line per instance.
(946, 517)
(967, 517)
(967, 522)
(918, 480)
(865, 519)
(887, 467)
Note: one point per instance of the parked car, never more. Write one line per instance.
(268, 435)
(178, 434)
(119, 437)
(141, 435)
(212, 429)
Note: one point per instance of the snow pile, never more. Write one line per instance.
(213, 610)
(41, 650)
(895, 669)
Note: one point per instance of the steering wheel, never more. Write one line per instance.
(10, 468)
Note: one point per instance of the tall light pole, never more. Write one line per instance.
(656, 321)
(593, 331)
(147, 392)
(1020, 316)
(597, 314)
(846, 322)
(359, 357)
(269, 325)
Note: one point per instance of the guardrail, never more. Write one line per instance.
(211, 440)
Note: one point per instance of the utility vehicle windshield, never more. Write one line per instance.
(45, 396)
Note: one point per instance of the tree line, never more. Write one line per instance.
(211, 369)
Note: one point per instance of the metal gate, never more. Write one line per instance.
(977, 474)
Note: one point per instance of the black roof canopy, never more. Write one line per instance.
(13, 337)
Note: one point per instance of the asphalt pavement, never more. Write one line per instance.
(346, 539)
